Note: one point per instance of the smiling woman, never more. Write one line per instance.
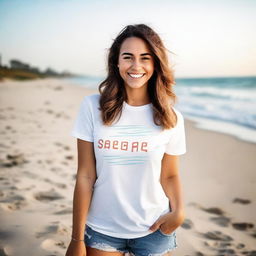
(136, 66)
(128, 194)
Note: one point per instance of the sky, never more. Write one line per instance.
(207, 38)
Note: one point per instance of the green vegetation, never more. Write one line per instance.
(22, 71)
(18, 74)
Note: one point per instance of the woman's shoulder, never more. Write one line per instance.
(91, 100)
(179, 116)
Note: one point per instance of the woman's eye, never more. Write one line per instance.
(128, 57)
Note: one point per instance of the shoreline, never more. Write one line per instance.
(224, 128)
(38, 160)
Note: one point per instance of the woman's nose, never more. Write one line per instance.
(136, 64)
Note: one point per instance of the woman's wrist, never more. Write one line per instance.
(180, 214)
(76, 240)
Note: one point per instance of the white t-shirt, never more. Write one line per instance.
(127, 197)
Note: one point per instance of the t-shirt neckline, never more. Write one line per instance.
(142, 107)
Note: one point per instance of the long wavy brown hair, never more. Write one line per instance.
(160, 85)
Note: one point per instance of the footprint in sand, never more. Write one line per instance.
(50, 244)
(224, 248)
(57, 184)
(58, 144)
(63, 115)
(69, 157)
(64, 211)
(240, 246)
(56, 169)
(48, 161)
(253, 234)
(49, 111)
(187, 224)
(30, 175)
(13, 198)
(226, 252)
(66, 147)
(48, 196)
(57, 88)
(15, 202)
(13, 160)
(6, 235)
(214, 210)
(14, 206)
(242, 225)
(52, 230)
(47, 102)
(199, 253)
(217, 235)
(3, 146)
(221, 221)
(217, 244)
(5, 238)
(241, 201)
(57, 115)
(249, 253)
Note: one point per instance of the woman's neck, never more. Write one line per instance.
(137, 97)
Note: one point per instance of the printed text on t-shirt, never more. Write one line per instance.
(133, 146)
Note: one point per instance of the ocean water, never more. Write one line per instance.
(226, 105)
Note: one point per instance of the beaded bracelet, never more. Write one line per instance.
(76, 239)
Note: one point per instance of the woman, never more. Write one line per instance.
(128, 194)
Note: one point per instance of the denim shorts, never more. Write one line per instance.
(155, 244)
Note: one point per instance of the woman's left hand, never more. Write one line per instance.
(168, 222)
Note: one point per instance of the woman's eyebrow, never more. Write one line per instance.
(128, 53)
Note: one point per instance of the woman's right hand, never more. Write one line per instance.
(76, 249)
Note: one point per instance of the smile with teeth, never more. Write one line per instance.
(133, 75)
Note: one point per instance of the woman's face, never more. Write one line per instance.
(135, 63)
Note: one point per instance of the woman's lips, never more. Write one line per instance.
(136, 75)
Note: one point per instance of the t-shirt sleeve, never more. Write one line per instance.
(177, 142)
(83, 125)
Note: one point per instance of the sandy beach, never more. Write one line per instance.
(38, 161)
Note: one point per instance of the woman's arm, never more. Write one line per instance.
(171, 185)
(170, 181)
(86, 176)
